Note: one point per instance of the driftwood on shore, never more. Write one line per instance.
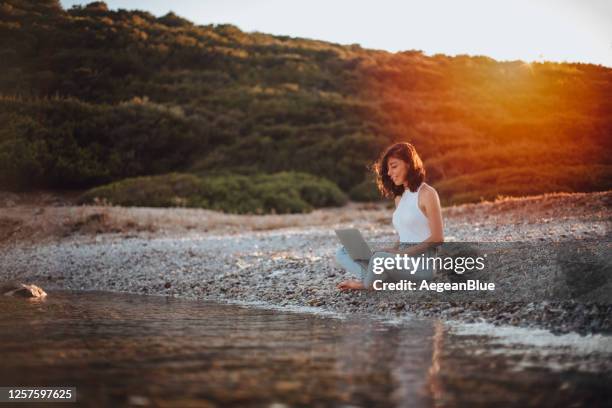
(288, 261)
(21, 290)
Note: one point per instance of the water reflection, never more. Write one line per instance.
(121, 350)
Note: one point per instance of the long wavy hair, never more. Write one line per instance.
(416, 172)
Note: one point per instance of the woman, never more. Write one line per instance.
(417, 217)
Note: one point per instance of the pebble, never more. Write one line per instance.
(290, 268)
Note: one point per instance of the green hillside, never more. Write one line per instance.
(91, 96)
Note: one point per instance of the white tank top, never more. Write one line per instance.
(408, 219)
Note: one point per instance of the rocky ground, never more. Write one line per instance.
(283, 260)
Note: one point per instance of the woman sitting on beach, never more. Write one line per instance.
(417, 217)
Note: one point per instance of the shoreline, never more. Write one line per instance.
(292, 266)
(529, 336)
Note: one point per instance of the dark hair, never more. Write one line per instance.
(416, 172)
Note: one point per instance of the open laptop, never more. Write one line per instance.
(355, 244)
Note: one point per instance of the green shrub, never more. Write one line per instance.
(67, 143)
(285, 192)
(512, 181)
(168, 190)
(365, 191)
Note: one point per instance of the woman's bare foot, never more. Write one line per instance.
(350, 284)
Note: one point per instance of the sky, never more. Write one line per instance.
(529, 30)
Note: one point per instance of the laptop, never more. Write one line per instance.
(355, 244)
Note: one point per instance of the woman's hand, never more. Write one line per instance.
(392, 250)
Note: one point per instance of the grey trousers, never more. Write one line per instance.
(364, 270)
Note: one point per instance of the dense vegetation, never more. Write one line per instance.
(91, 96)
(285, 192)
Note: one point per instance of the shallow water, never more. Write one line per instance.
(122, 350)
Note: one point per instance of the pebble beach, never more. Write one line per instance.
(290, 263)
